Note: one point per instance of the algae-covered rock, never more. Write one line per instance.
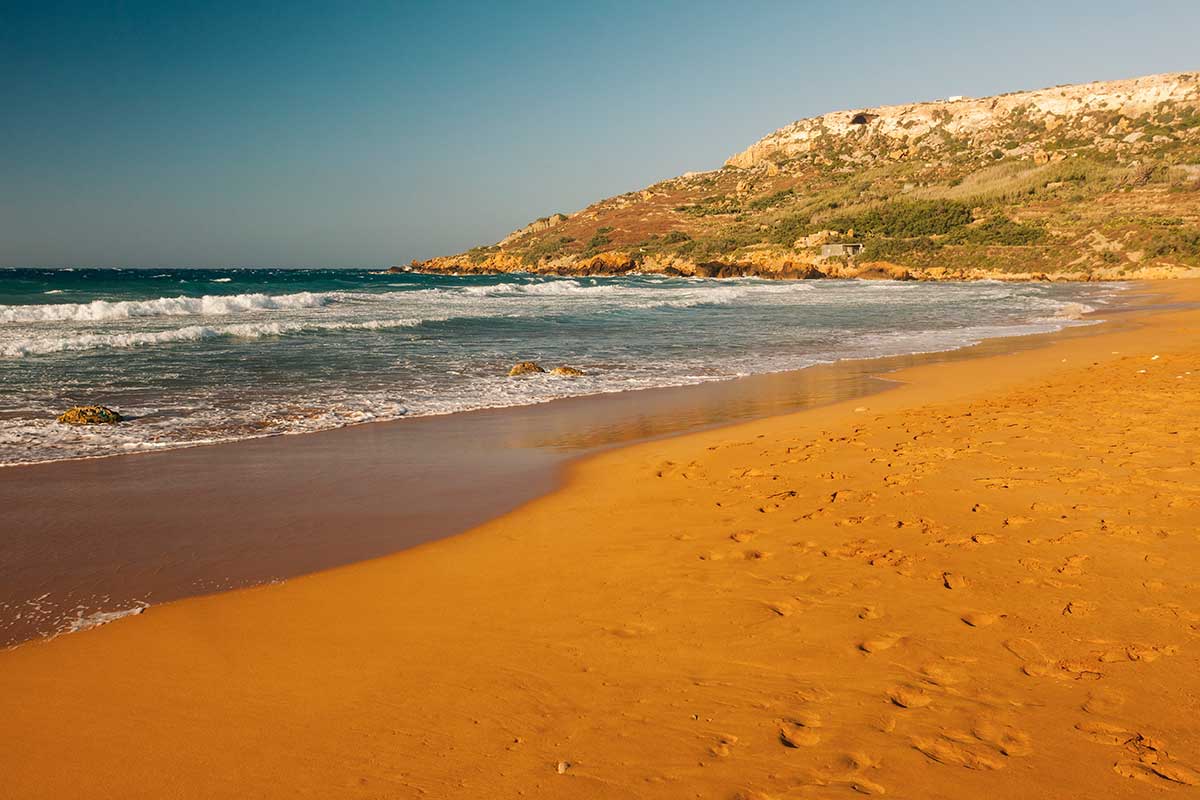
(89, 415)
(566, 372)
(525, 368)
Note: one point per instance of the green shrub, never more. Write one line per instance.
(763, 203)
(895, 249)
(1181, 242)
(998, 230)
(600, 238)
(546, 248)
(711, 206)
(674, 237)
(787, 230)
(717, 246)
(907, 219)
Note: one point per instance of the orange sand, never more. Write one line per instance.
(985, 583)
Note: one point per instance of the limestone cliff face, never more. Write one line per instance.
(537, 226)
(1095, 181)
(916, 129)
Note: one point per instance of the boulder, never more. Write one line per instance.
(882, 270)
(525, 368)
(793, 271)
(567, 372)
(89, 415)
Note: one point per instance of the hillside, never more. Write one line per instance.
(1099, 180)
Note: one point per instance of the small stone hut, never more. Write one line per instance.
(841, 250)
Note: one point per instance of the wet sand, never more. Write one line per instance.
(981, 583)
(90, 538)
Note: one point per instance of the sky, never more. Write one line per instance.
(365, 133)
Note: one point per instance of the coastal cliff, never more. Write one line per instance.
(1086, 182)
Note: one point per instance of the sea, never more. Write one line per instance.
(201, 356)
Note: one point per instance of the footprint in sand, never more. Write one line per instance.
(870, 612)
(794, 733)
(1073, 565)
(1150, 761)
(1010, 741)
(1036, 664)
(782, 608)
(849, 772)
(1150, 772)
(878, 644)
(1078, 608)
(1105, 732)
(956, 754)
(943, 674)
(864, 786)
(1137, 652)
(1104, 701)
(778, 500)
(952, 580)
(980, 619)
(807, 719)
(909, 697)
(724, 746)
(742, 536)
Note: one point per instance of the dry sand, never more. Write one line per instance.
(984, 583)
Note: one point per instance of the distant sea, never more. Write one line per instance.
(198, 356)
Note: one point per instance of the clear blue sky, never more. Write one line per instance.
(369, 133)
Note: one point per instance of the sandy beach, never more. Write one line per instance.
(980, 583)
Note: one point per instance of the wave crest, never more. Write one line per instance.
(191, 333)
(182, 306)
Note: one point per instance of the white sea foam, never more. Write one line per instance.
(559, 288)
(191, 333)
(207, 305)
(83, 622)
(1073, 311)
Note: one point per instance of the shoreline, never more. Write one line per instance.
(1064, 319)
(981, 583)
(509, 455)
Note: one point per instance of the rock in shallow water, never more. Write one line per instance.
(525, 368)
(566, 372)
(89, 415)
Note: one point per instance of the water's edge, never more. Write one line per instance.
(508, 456)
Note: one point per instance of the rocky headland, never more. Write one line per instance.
(1095, 181)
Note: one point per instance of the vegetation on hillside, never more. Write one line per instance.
(1101, 193)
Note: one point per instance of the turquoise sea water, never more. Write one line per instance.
(202, 356)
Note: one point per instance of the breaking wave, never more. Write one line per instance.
(192, 333)
(1073, 311)
(207, 305)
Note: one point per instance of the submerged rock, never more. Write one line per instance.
(525, 368)
(89, 415)
(567, 372)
